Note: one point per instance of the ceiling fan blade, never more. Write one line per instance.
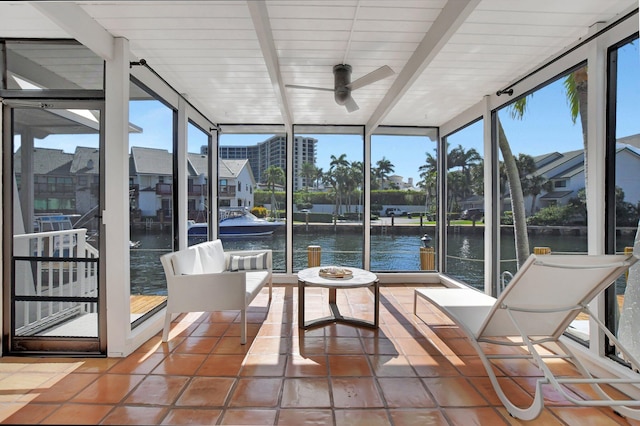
(294, 86)
(351, 105)
(382, 72)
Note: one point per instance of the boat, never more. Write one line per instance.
(235, 222)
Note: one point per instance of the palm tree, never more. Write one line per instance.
(534, 185)
(384, 168)
(274, 175)
(338, 170)
(458, 157)
(576, 91)
(308, 172)
(515, 193)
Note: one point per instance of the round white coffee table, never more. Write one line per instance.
(360, 278)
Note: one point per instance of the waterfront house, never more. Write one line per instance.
(424, 75)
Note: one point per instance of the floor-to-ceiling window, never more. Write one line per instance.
(403, 199)
(623, 316)
(197, 182)
(151, 197)
(252, 196)
(328, 185)
(541, 139)
(465, 205)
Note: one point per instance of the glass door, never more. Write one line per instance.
(52, 196)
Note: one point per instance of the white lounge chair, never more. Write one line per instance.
(540, 302)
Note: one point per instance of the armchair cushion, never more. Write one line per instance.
(212, 257)
(248, 263)
(187, 262)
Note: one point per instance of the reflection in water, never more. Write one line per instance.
(388, 253)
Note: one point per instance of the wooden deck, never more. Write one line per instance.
(141, 304)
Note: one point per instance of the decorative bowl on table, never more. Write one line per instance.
(335, 272)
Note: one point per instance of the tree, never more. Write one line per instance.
(274, 175)
(576, 90)
(338, 176)
(515, 189)
(308, 172)
(459, 158)
(384, 168)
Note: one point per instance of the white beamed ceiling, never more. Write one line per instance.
(446, 54)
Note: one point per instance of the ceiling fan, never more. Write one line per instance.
(343, 84)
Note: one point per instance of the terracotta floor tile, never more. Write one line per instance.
(258, 392)
(355, 392)
(27, 381)
(221, 365)
(391, 366)
(405, 392)
(411, 346)
(222, 316)
(254, 417)
(309, 345)
(349, 365)
(551, 396)
(470, 366)
(157, 390)
(29, 414)
(66, 388)
(180, 364)
(232, 346)
(518, 367)
(301, 417)
(515, 393)
(362, 418)
(78, 414)
(461, 347)
(474, 416)
(235, 329)
(454, 392)
(263, 365)
(208, 329)
(138, 363)
(407, 372)
(546, 418)
(341, 330)
(306, 393)
(108, 389)
(344, 345)
(190, 416)
(197, 345)
(52, 365)
(379, 346)
(206, 392)
(418, 417)
(301, 366)
(270, 345)
(277, 329)
(127, 415)
(432, 366)
(96, 365)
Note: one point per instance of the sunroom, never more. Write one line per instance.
(118, 116)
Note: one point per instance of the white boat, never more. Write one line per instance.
(235, 222)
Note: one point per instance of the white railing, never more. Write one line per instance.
(53, 277)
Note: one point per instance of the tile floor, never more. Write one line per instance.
(406, 373)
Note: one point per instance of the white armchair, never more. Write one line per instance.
(205, 278)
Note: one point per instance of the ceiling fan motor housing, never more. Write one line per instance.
(342, 77)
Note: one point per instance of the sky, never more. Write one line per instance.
(546, 127)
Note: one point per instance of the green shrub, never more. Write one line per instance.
(552, 215)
